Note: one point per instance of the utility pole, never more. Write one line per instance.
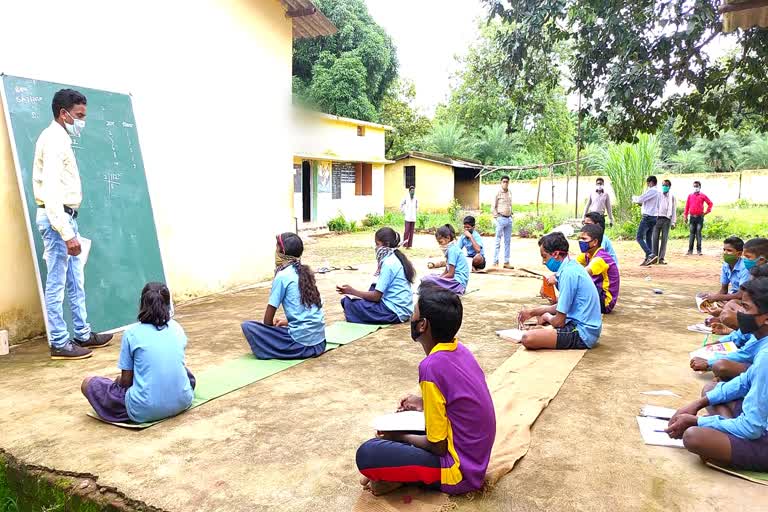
(578, 162)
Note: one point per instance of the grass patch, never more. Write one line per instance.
(8, 500)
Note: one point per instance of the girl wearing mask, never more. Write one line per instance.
(456, 275)
(301, 334)
(390, 299)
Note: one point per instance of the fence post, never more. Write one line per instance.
(552, 181)
(538, 192)
(740, 173)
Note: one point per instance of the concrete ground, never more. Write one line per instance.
(287, 443)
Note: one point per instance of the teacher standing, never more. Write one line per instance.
(58, 194)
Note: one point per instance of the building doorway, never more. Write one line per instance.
(306, 191)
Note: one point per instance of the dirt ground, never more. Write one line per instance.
(287, 443)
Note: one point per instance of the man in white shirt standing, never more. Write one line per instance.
(599, 201)
(665, 220)
(410, 209)
(58, 194)
(649, 203)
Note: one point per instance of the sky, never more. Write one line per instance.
(429, 34)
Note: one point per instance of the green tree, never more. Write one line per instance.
(494, 146)
(338, 87)
(755, 155)
(324, 67)
(398, 110)
(627, 165)
(449, 138)
(481, 100)
(720, 153)
(623, 55)
(688, 161)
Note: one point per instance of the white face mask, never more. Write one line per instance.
(77, 126)
(599, 188)
(697, 189)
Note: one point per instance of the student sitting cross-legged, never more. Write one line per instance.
(599, 219)
(473, 243)
(301, 334)
(576, 317)
(456, 274)
(390, 299)
(729, 365)
(453, 453)
(154, 383)
(755, 259)
(733, 274)
(599, 265)
(734, 434)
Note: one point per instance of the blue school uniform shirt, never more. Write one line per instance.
(749, 347)
(456, 258)
(752, 386)
(735, 277)
(305, 325)
(161, 387)
(608, 246)
(466, 243)
(579, 301)
(396, 292)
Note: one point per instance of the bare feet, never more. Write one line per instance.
(365, 482)
(381, 488)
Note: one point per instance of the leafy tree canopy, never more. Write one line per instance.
(623, 56)
(350, 72)
(398, 110)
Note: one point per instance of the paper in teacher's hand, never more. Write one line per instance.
(406, 421)
(635, 199)
(652, 430)
(515, 335)
(85, 249)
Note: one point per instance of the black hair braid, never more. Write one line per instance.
(310, 295)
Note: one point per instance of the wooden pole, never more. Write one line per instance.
(567, 182)
(552, 181)
(538, 192)
(578, 154)
(740, 184)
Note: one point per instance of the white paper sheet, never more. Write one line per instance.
(661, 392)
(649, 428)
(700, 328)
(511, 334)
(654, 411)
(401, 421)
(85, 249)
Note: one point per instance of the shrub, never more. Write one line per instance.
(454, 211)
(687, 162)
(529, 226)
(339, 224)
(717, 227)
(484, 224)
(373, 220)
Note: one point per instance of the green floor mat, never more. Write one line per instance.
(752, 476)
(342, 333)
(238, 373)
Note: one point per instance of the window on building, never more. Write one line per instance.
(410, 176)
(363, 179)
(361, 131)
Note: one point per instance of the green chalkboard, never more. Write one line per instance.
(116, 213)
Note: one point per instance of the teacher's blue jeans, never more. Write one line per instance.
(645, 234)
(64, 272)
(503, 229)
